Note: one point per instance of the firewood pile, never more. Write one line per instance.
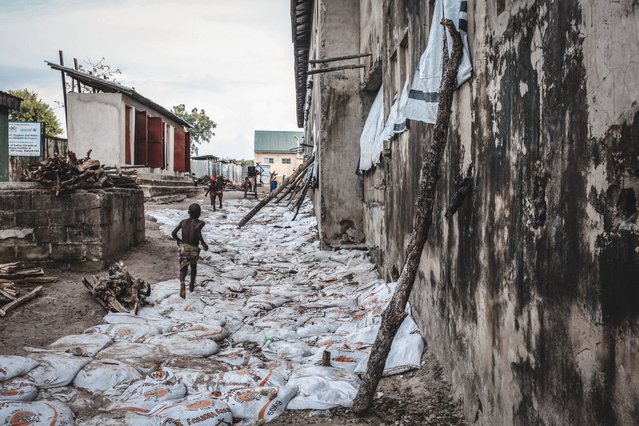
(68, 173)
(118, 291)
(12, 276)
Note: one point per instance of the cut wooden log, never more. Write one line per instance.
(274, 194)
(20, 301)
(30, 280)
(396, 311)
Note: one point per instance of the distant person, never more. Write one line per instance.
(217, 190)
(273, 180)
(189, 251)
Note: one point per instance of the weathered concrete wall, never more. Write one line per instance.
(529, 295)
(85, 228)
(96, 121)
(337, 113)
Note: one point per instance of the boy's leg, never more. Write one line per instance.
(183, 272)
(193, 275)
(220, 200)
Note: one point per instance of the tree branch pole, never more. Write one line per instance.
(290, 188)
(395, 312)
(339, 58)
(302, 197)
(342, 67)
(275, 193)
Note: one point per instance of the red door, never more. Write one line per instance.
(156, 142)
(141, 148)
(179, 139)
(127, 135)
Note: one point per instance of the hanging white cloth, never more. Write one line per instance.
(423, 97)
(370, 142)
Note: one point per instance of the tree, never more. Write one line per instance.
(97, 68)
(202, 130)
(35, 109)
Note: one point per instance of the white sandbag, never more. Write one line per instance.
(405, 353)
(266, 301)
(232, 381)
(237, 357)
(141, 355)
(12, 366)
(209, 330)
(56, 369)
(190, 304)
(340, 358)
(322, 388)
(125, 332)
(295, 351)
(18, 390)
(258, 405)
(82, 344)
(36, 413)
(162, 290)
(101, 375)
(120, 418)
(78, 400)
(184, 344)
(157, 387)
(195, 409)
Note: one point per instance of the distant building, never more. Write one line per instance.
(122, 127)
(7, 102)
(278, 150)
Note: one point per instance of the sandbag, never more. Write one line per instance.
(195, 409)
(232, 381)
(258, 405)
(125, 332)
(200, 331)
(139, 354)
(101, 375)
(12, 366)
(81, 344)
(322, 388)
(56, 369)
(18, 390)
(36, 413)
(157, 387)
(183, 344)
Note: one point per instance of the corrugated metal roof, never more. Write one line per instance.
(276, 140)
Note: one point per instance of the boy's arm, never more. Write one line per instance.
(175, 231)
(199, 232)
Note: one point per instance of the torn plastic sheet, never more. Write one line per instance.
(423, 98)
(371, 145)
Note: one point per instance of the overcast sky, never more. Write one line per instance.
(231, 57)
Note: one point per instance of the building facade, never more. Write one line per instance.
(124, 128)
(528, 294)
(278, 150)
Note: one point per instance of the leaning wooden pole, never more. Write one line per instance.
(290, 188)
(275, 193)
(302, 197)
(395, 312)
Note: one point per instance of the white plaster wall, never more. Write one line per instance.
(96, 122)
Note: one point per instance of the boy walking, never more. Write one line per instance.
(188, 251)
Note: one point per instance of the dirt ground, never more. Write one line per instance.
(415, 398)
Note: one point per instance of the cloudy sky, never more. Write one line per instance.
(231, 57)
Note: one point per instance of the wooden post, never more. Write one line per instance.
(275, 193)
(64, 90)
(395, 312)
(77, 67)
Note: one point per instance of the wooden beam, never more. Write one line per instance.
(19, 301)
(343, 67)
(339, 58)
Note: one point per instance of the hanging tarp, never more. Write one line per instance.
(370, 142)
(396, 121)
(424, 92)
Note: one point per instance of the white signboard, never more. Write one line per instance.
(25, 139)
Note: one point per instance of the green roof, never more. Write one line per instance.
(276, 141)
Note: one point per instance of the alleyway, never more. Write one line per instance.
(268, 303)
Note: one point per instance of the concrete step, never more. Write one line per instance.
(167, 199)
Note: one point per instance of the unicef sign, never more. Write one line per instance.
(25, 139)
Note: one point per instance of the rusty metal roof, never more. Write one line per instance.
(112, 87)
(7, 100)
(301, 25)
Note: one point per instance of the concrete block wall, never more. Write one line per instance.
(85, 229)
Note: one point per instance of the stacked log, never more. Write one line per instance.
(11, 276)
(118, 291)
(68, 173)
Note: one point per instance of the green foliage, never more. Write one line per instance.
(35, 109)
(202, 130)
